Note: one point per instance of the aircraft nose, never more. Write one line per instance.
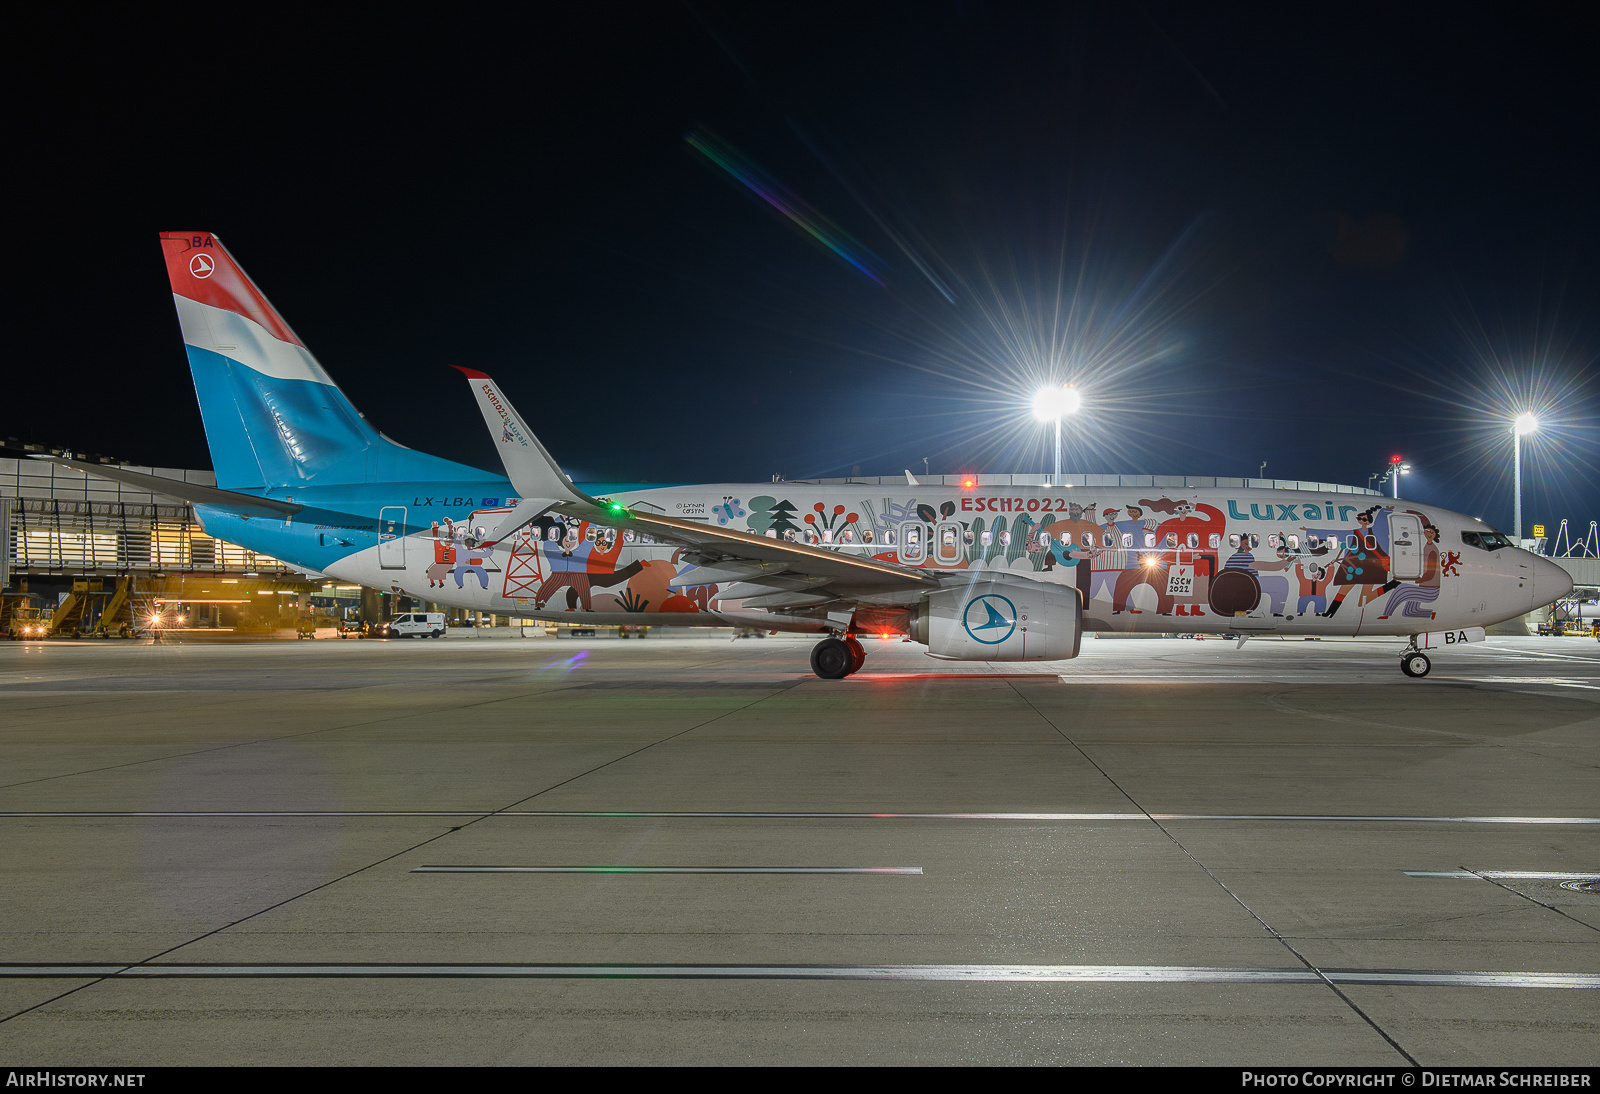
(1550, 582)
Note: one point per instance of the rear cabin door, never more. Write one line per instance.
(392, 537)
(1405, 546)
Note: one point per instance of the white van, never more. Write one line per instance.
(418, 625)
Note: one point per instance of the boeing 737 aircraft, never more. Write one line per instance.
(974, 573)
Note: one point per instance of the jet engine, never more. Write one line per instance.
(1000, 618)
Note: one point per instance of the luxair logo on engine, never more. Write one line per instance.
(990, 618)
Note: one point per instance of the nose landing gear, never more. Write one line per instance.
(834, 658)
(1414, 663)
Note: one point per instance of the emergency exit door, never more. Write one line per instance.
(392, 537)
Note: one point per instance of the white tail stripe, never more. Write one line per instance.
(246, 341)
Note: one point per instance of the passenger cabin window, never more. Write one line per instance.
(988, 538)
(1108, 540)
(1255, 541)
(1372, 543)
(627, 537)
(1294, 543)
(1272, 540)
(888, 537)
(866, 535)
(847, 536)
(1233, 540)
(1352, 541)
(1088, 539)
(1193, 539)
(790, 535)
(1127, 539)
(1312, 542)
(1005, 539)
(947, 538)
(1172, 539)
(1149, 539)
(1214, 541)
(967, 537)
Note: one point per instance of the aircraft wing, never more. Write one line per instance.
(778, 573)
(802, 558)
(246, 504)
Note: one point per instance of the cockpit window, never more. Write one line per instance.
(1486, 541)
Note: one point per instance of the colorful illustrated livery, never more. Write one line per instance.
(979, 573)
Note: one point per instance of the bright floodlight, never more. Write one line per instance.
(1051, 404)
(1526, 423)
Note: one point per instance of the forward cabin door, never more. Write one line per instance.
(1405, 546)
(392, 537)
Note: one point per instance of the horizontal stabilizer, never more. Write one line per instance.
(193, 492)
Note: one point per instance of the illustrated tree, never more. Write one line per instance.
(782, 513)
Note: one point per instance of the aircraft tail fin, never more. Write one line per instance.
(273, 417)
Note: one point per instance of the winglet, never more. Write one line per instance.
(911, 480)
(529, 467)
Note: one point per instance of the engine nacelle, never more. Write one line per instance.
(1001, 618)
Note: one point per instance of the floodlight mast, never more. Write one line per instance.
(1525, 423)
(1052, 404)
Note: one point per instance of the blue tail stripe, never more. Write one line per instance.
(265, 432)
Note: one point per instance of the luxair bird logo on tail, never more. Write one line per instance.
(505, 436)
(990, 618)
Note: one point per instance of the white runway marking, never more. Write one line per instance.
(667, 870)
(1503, 875)
(1105, 974)
(709, 815)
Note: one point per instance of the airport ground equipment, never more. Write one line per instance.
(81, 608)
(23, 622)
(117, 614)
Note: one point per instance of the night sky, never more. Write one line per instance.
(714, 242)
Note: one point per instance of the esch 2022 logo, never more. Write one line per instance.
(989, 618)
(510, 432)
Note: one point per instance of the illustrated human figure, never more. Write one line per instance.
(444, 555)
(1426, 590)
(1190, 519)
(471, 551)
(1276, 585)
(1366, 564)
(1314, 580)
(1107, 565)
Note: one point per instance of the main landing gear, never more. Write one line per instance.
(1414, 663)
(836, 658)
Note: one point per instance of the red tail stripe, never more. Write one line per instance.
(201, 269)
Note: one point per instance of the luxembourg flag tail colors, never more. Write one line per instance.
(274, 419)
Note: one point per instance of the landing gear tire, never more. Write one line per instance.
(831, 659)
(1415, 664)
(858, 653)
